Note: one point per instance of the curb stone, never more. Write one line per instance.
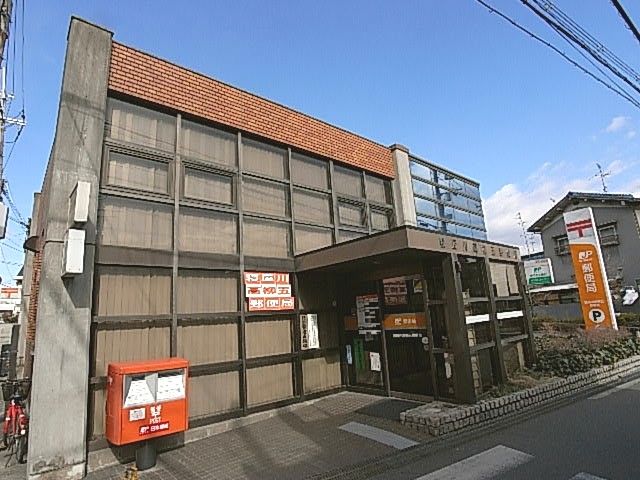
(424, 419)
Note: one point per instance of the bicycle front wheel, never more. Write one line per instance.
(21, 448)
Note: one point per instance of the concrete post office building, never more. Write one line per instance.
(194, 186)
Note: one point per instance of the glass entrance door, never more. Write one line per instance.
(407, 339)
(363, 336)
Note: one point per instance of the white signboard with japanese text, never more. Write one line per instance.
(268, 291)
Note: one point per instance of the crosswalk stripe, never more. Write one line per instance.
(378, 435)
(586, 476)
(482, 466)
(608, 392)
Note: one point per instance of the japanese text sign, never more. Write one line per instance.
(268, 291)
(591, 276)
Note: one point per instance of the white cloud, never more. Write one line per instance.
(546, 185)
(616, 124)
(631, 134)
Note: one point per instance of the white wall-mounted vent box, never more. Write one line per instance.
(79, 203)
(73, 252)
(4, 215)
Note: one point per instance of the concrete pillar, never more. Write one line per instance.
(403, 200)
(58, 429)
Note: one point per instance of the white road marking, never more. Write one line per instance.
(586, 476)
(624, 386)
(378, 435)
(482, 466)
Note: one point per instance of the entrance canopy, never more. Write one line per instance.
(388, 245)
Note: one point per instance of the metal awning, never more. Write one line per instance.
(398, 242)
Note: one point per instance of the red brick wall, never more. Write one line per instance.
(141, 75)
(32, 314)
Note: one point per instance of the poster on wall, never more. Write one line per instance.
(395, 291)
(268, 291)
(309, 338)
(591, 276)
(374, 358)
(367, 307)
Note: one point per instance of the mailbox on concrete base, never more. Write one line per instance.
(146, 399)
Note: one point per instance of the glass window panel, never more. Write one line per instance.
(422, 171)
(208, 232)
(312, 207)
(206, 292)
(141, 126)
(265, 159)
(424, 189)
(207, 186)
(380, 220)
(265, 197)
(133, 223)
(208, 144)
(460, 216)
(427, 207)
(476, 220)
(309, 171)
(430, 224)
(347, 181)
(311, 238)
(351, 214)
(137, 173)
(346, 235)
(377, 189)
(472, 276)
(474, 205)
(472, 190)
(266, 239)
(464, 231)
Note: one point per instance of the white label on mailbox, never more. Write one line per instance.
(170, 387)
(136, 414)
(138, 394)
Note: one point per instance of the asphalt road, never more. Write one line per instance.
(593, 438)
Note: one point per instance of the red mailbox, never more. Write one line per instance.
(146, 399)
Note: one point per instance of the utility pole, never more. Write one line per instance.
(6, 10)
(602, 176)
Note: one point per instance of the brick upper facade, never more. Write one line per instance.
(144, 76)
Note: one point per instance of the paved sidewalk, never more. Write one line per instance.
(293, 445)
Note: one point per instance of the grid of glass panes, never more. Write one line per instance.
(446, 202)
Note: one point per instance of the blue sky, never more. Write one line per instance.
(448, 79)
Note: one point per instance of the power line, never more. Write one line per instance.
(565, 26)
(616, 90)
(626, 19)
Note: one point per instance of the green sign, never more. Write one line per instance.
(539, 280)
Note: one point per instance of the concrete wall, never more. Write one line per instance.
(623, 258)
(404, 203)
(57, 443)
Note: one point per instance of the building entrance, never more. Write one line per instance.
(387, 336)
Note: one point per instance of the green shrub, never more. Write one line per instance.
(629, 320)
(563, 354)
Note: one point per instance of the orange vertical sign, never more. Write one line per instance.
(591, 276)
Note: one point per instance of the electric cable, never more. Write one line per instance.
(548, 44)
(626, 19)
(563, 25)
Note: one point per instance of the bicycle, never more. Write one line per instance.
(15, 431)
